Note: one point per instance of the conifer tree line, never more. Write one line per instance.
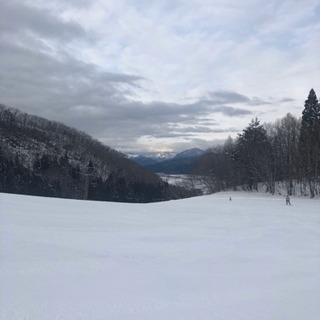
(286, 151)
(53, 176)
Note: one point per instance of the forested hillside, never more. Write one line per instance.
(287, 150)
(42, 157)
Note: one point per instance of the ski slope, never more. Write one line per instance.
(252, 258)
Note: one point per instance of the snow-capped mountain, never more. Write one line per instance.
(155, 156)
(144, 161)
(190, 153)
(182, 163)
(170, 163)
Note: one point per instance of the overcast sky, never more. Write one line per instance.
(159, 75)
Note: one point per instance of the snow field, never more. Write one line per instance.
(199, 258)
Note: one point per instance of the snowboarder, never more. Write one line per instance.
(288, 200)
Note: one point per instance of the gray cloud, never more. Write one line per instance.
(255, 101)
(232, 112)
(225, 97)
(34, 80)
(195, 129)
(18, 18)
(100, 103)
(230, 97)
(287, 100)
(42, 71)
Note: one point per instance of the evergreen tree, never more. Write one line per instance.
(311, 112)
(310, 142)
(252, 156)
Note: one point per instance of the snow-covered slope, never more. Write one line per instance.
(252, 258)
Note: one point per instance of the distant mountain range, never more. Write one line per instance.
(181, 163)
(190, 153)
(144, 161)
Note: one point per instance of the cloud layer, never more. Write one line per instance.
(147, 75)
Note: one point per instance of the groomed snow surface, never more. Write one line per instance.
(200, 258)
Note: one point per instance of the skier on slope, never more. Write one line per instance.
(288, 200)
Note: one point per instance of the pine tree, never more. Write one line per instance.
(252, 156)
(310, 142)
(311, 112)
